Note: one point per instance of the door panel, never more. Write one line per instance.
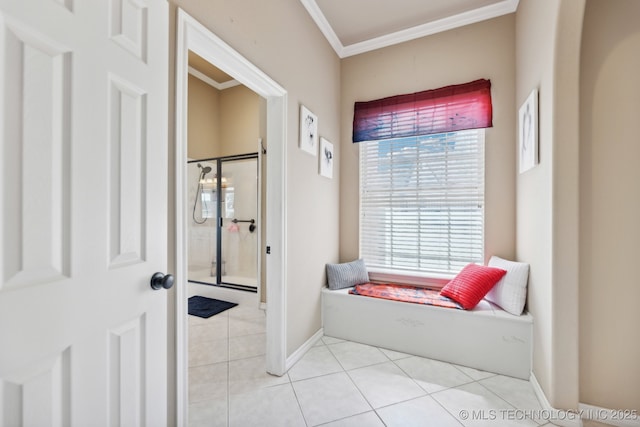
(126, 349)
(83, 200)
(129, 26)
(25, 389)
(36, 209)
(126, 166)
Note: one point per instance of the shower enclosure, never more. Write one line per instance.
(223, 221)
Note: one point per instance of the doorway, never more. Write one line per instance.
(225, 225)
(193, 36)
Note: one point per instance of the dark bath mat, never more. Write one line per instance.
(207, 307)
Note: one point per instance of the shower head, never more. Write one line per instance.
(205, 170)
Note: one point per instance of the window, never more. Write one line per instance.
(422, 179)
(422, 202)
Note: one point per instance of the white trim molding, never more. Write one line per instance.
(558, 417)
(304, 348)
(208, 80)
(613, 417)
(471, 17)
(324, 25)
(193, 36)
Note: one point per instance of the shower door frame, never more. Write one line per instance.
(220, 222)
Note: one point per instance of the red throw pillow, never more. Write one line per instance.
(472, 284)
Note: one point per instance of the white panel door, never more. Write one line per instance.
(83, 198)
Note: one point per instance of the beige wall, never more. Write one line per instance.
(610, 205)
(222, 123)
(239, 121)
(483, 50)
(534, 65)
(547, 52)
(203, 120)
(533, 217)
(307, 67)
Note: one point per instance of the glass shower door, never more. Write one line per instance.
(202, 214)
(239, 225)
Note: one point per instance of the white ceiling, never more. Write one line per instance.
(358, 26)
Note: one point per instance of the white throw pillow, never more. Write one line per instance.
(510, 292)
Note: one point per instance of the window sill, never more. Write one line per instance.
(434, 281)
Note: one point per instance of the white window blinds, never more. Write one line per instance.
(422, 202)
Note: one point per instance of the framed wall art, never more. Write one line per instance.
(326, 158)
(528, 132)
(308, 131)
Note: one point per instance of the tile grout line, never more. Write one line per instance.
(306, 422)
(291, 381)
(352, 382)
(444, 407)
(509, 403)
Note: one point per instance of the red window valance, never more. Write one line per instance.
(447, 109)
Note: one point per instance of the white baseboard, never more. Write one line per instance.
(620, 418)
(555, 416)
(302, 350)
(611, 417)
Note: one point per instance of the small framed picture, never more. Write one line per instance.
(528, 132)
(326, 158)
(308, 131)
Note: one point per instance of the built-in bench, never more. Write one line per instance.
(485, 338)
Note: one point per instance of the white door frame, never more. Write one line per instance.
(191, 35)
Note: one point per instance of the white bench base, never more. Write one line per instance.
(485, 338)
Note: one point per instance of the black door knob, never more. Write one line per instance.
(159, 281)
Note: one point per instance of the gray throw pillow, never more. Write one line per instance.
(347, 274)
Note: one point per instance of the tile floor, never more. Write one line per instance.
(337, 383)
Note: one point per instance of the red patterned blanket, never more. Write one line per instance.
(405, 293)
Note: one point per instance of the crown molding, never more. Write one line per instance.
(324, 26)
(481, 14)
(208, 80)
